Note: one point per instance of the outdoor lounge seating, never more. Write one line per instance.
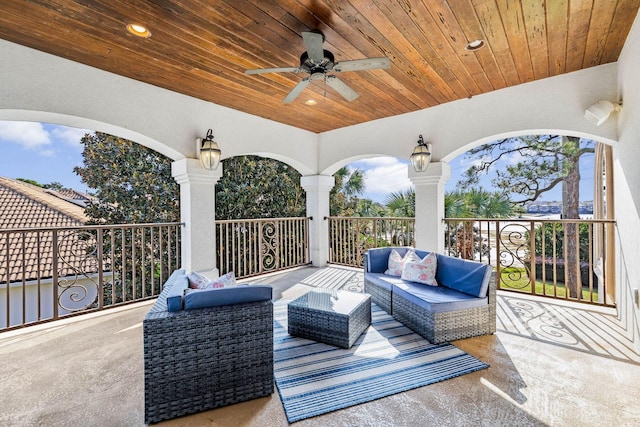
(462, 305)
(207, 349)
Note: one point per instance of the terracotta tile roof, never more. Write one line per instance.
(24, 205)
(73, 196)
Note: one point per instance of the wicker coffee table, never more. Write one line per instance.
(332, 317)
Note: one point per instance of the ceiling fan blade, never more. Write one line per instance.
(341, 87)
(297, 90)
(313, 43)
(274, 70)
(363, 64)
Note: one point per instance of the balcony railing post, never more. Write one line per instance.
(498, 259)
(54, 272)
(99, 254)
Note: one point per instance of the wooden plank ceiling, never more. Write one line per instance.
(202, 47)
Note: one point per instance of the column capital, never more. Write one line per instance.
(436, 173)
(190, 170)
(317, 182)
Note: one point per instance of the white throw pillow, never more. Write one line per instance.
(396, 263)
(198, 281)
(226, 281)
(422, 271)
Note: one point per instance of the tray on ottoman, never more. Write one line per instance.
(332, 317)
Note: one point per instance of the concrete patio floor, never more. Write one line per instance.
(552, 363)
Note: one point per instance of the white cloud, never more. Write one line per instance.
(29, 135)
(514, 158)
(69, 136)
(383, 175)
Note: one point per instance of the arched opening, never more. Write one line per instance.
(65, 251)
(561, 244)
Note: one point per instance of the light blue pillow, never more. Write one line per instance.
(470, 277)
(202, 298)
(178, 284)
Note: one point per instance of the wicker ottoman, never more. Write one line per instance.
(332, 317)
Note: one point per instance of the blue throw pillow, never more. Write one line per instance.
(466, 276)
(178, 284)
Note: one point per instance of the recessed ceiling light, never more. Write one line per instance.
(139, 30)
(474, 45)
(311, 102)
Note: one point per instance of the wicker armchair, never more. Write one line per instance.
(201, 359)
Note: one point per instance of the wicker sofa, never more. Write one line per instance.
(463, 304)
(205, 352)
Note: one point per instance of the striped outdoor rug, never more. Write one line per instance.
(315, 378)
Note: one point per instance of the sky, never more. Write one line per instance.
(48, 153)
(42, 152)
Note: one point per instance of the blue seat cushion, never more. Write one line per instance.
(383, 281)
(202, 298)
(466, 276)
(437, 298)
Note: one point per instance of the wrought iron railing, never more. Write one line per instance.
(568, 259)
(50, 273)
(350, 237)
(572, 259)
(249, 247)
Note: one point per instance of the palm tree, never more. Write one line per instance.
(474, 203)
(402, 203)
(349, 185)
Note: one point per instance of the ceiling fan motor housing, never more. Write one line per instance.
(307, 65)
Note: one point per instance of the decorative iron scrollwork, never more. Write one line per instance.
(78, 260)
(513, 256)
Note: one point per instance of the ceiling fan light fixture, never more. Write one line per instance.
(139, 30)
(474, 45)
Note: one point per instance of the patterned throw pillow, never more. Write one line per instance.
(422, 271)
(396, 263)
(226, 281)
(197, 280)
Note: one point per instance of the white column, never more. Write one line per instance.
(318, 188)
(429, 187)
(197, 212)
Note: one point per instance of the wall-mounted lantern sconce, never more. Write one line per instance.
(421, 156)
(208, 151)
(599, 112)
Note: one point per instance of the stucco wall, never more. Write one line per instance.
(551, 106)
(36, 86)
(41, 87)
(627, 185)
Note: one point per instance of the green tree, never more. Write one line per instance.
(473, 203)
(31, 181)
(344, 195)
(55, 185)
(369, 208)
(133, 183)
(254, 187)
(401, 203)
(544, 162)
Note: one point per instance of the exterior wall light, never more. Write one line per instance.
(599, 112)
(421, 156)
(208, 151)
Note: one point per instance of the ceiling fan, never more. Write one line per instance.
(317, 62)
